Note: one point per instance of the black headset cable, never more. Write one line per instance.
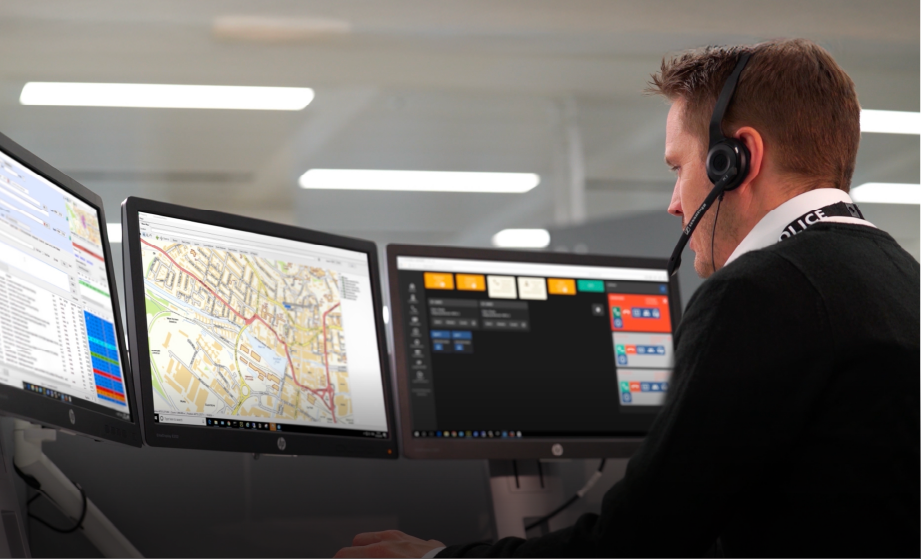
(713, 232)
(579, 494)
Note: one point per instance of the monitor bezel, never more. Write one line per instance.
(161, 435)
(17, 402)
(503, 449)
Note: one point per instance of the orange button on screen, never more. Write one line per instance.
(561, 286)
(439, 281)
(471, 282)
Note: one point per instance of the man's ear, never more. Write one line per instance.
(755, 144)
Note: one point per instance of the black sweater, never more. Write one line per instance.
(793, 425)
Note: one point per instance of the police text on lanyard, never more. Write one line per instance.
(803, 222)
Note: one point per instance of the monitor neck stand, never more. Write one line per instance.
(29, 458)
(523, 491)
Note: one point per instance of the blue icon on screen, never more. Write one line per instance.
(655, 387)
(437, 433)
(655, 313)
(621, 359)
(664, 386)
(626, 397)
(618, 323)
(458, 347)
(663, 288)
(438, 347)
(644, 387)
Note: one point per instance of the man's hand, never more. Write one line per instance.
(390, 543)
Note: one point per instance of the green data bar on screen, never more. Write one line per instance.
(593, 286)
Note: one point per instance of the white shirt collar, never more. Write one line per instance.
(767, 231)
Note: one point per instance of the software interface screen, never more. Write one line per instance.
(248, 331)
(57, 336)
(502, 349)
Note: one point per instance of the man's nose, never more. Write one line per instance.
(674, 207)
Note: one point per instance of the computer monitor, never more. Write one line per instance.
(62, 358)
(517, 355)
(253, 336)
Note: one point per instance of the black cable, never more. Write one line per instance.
(555, 512)
(34, 484)
(713, 233)
(74, 528)
(579, 494)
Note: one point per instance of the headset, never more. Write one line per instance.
(727, 162)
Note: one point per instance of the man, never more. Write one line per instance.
(793, 427)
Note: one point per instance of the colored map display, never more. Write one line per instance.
(239, 335)
(84, 224)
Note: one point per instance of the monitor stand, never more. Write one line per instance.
(14, 542)
(522, 492)
(31, 461)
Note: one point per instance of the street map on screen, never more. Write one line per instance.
(256, 332)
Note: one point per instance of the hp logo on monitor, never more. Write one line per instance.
(72, 416)
(281, 443)
(557, 449)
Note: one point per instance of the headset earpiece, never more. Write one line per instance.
(724, 156)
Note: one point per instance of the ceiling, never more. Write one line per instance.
(534, 86)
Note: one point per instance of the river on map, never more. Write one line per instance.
(270, 358)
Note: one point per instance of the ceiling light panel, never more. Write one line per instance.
(887, 193)
(278, 29)
(418, 181)
(522, 238)
(890, 122)
(166, 96)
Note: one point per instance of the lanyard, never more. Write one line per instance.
(803, 222)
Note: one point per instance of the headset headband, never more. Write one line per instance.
(722, 103)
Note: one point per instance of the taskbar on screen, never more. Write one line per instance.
(219, 423)
(75, 401)
(507, 435)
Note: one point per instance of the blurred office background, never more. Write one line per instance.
(552, 88)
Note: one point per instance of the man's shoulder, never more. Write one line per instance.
(755, 274)
(832, 257)
(757, 284)
(837, 242)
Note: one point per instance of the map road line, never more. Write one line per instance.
(329, 385)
